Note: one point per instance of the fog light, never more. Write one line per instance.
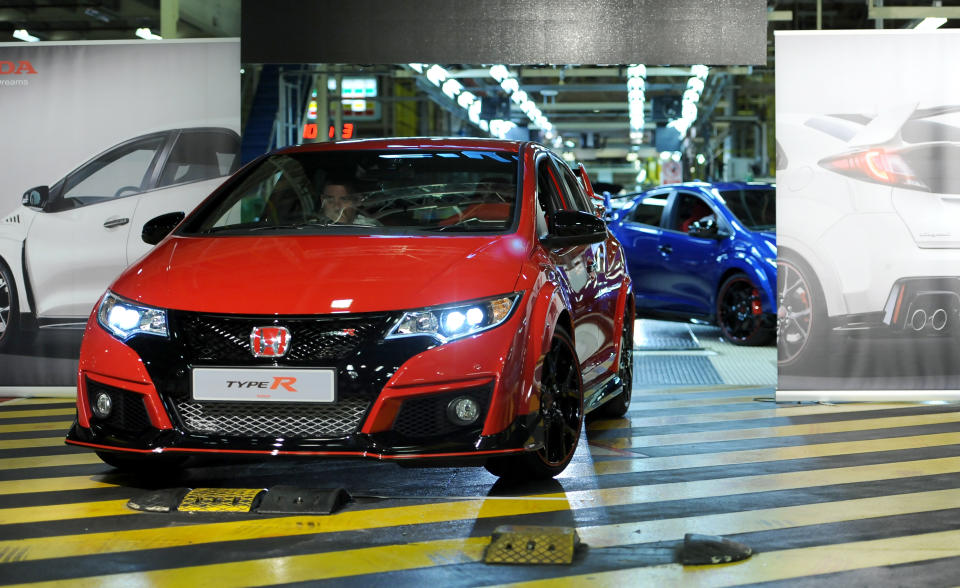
(463, 410)
(102, 405)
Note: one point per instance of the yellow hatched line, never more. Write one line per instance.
(771, 566)
(743, 415)
(52, 484)
(30, 427)
(40, 400)
(56, 512)
(640, 408)
(676, 462)
(783, 431)
(391, 558)
(39, 548)
(16, 414)
(27, 443)
(49, 461)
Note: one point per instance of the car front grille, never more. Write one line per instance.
(128, 414)
(226, 339)
(265, 419)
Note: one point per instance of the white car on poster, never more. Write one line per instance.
(66, 242)
(868, 227)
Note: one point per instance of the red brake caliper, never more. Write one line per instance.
(755, 302)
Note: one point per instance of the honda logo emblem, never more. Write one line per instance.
(269, 341)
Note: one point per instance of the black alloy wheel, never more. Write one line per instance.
(561, 415)
(801, 315)
(9, 311)
(740, 312)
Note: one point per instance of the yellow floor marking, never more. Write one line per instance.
(56, 512)
(676, 462)
(133, 540)
(38, 442)
(52, 484)
(782, 431)
(49, 461)
(424, 554)
(16, 414)
(765, 413)
(41, 400)
(776, 565)
(30, 427)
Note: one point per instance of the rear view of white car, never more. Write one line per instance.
(868, 227)
(66, 242)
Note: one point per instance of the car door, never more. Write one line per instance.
(598, 331)
(687, 263)
(78, 244)
(197, 164)
(639, 234)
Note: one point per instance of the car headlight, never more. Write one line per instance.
(125, 319)
(449, 322)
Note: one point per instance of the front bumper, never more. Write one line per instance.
(391, 405)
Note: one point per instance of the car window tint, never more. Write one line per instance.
(120, 172)
(201, 155)
(579, 199)
(648, 211)
(386, 192)
(688, 209)
(756, 209)
(548, 195)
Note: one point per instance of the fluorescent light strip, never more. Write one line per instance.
(691, 96)
(23, 35)
(511, 86)
(930, 23)
(636, 88)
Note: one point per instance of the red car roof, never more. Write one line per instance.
(412, 143)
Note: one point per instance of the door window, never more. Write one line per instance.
(688, 209)
(648, 211)
(577, 198)
(548, 195)
(201, 155)
(120, 172)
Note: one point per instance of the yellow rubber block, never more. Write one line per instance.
(518, 544)
(219, 500)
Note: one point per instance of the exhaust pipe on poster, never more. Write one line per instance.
(938, 320)
(918, 319)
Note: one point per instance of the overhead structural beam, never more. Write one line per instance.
(775, 16)
(585, 72)
(912, 12)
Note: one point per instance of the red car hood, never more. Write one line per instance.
(306, 275)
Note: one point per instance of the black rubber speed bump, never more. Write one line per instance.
(277, 500)
(294, 500)
(711, 549)
(511, 544)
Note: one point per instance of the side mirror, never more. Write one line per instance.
(567, 228)
(36, 197)
(155, 229)
(705, 228)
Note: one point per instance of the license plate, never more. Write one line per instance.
(264, 385)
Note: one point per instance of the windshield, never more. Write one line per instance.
(369, 192)
(755, 209)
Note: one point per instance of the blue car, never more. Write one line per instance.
(705, 251)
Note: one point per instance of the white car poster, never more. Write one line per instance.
(868, 215)
(106, 142)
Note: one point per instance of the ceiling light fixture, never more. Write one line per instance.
(23, 35)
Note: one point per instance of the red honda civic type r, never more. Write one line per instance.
(449, 301)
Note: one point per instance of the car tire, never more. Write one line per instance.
(620, 404)
(561, 411)
(136, 463)
(801, 315)
(739, 312)
(9, 309)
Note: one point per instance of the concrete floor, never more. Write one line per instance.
(850, 494)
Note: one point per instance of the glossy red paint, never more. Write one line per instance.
(583, 289)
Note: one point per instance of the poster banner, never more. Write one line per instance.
(868, 215)
(102, 138)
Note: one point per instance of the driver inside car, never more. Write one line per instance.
(339, 201)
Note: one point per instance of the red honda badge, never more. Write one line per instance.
(269, 341)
